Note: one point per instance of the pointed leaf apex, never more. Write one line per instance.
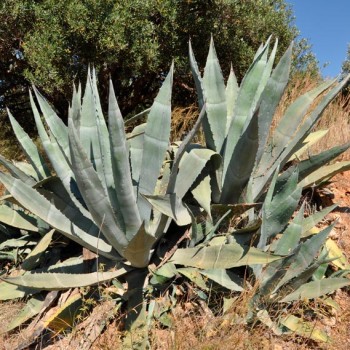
(212, 47)
(268, 40)
(111, 88)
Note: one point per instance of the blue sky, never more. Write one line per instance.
(326, 23)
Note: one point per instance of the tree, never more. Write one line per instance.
(346, 63)
(16, 18)
(52, 42)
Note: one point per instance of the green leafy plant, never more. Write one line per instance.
(132, 199)
(110, 192)
(95, 198)
(238, 121)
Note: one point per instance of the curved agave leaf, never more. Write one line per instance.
(278, 208)
(75, 108)
(291, 235)
(215, 99)
(239, 170)
(294, 115)
(199, 85)
(17, 218)
(316, 289)
(94, 194)
(213, 257)
(27, 168)
(171, 206)
(314, 166)
(315, 115)
(267, 71)
(139, 249)
(223, 256)
(324, 173)
(18, 243)
(311, 139)
(225, 278)
(56, 125)
(59, 161)
(33, 259)
(137, 117)
(245, 106)
(271, 97)
(156, 141)
(312, 220)
(62, 281)
(202, 194)
(10, 291)
(305, 256)
(232, 90)
(30, 150)
(184, 146)
(304, 328)
(270, 162)
(90, 123)
(136, 140)
(121, 168)
(43, 208)
(195, 158)
(16, 172)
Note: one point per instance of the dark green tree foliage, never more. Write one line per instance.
(346, 63)
(346, 71)
(16, 17)
(52, 42)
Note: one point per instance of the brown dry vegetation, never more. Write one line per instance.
(336, 117)
(194, 325)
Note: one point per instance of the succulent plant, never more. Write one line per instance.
(237, 125)
(96, 198)
(119, 195)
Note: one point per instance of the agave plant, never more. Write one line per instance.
(96, 199)
(116, 194)
(238, 121)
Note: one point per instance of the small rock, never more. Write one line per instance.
(277, 347)
(334, 235)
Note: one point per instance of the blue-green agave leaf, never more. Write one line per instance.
(30, 150)
(62, 281)
(278, 208)
(215, 99)
(56, 125)
(43, 208)
(316, 289)
(156, 142)
(94, 194)
(121, 168)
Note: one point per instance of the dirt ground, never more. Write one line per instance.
(339, 194)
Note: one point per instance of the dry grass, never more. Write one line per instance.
(336, 117)
(8, 311)
(182, 121)
(296, 87)
(195, 327)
